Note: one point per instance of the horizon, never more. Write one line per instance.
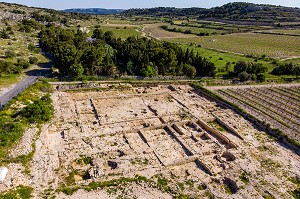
(116, 4)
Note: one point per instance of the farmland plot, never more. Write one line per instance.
(155, 31)
(277, 105)
(275, 46)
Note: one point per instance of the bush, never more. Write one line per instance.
(10, 132)
(244, 76)
(6, 67)
(261, 77)
(33, 60)
(23, 64)
(4, 34)
(10, 54)
(39, 111)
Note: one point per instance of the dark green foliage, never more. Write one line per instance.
(4, 34)
(244, 76)
(23, 64)
(249, 67)
(108, 56)
(39, 111)
(33, 48)
(248, 70)
(33, 60)
(84, 160)
(287, 69)
(296, 193)
(261, 77)
(244, 177)
(76, 70)
(28, 25)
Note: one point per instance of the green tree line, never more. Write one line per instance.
(75, 55)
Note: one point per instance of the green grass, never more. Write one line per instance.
(284, 31)
(244, 177)
(12, 124)
(221, 58)
(7, 80)
(275, 46)
(21, 192)
(121, 32)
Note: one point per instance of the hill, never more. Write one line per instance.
(96, 11)
(238, 11)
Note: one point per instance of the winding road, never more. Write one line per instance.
(33, 76)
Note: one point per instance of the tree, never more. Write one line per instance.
(261, 77)
(65, 56)
(98, 34)
(239, 67)
(149, 71)
(244, 76)
(227, 66)
(191, 71)
(92, 59)
(76, 70)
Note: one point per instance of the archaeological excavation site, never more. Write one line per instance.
(151, 141)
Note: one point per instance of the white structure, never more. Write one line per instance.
(3, 172)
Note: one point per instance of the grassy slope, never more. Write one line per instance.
(220, 59)
(17, 44)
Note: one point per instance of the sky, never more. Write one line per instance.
(125, 4)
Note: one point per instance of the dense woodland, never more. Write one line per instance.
(75, 54)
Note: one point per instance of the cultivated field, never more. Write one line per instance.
(277, 105)
(154, 141)
(154, 30)
(275, 46)
(284, 31)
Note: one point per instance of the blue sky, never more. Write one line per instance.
(125, 4)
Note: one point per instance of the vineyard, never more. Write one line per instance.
(278, 106)
(275, 46)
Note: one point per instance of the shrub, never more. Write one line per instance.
(39, 111)
(244, 76)
(10, 54)
(261, 77)
(33, 60)
(4, 34)
(10, 131)
(23, 64)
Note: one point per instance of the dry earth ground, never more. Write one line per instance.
(182, 142)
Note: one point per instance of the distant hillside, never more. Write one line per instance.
(238, 11)
(96, 11)
(17, 12)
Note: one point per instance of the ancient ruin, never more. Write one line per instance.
(170, 132)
